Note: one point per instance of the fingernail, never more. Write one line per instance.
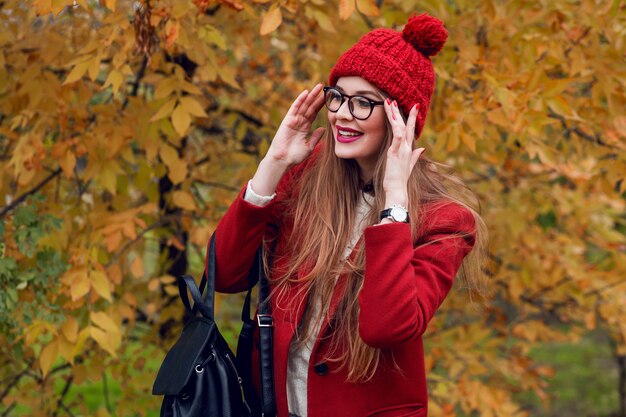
(395, 103)
(388, 101)
(393, 116)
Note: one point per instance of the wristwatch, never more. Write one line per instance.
(396, 214)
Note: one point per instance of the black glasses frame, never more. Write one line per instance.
(343, 96)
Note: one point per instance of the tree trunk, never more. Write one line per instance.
(621, 363)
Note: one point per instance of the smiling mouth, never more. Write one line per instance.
(345, 136)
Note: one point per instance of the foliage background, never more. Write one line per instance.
(127, 128)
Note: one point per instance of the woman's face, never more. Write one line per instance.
(356, 139)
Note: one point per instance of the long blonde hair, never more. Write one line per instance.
(324, 210)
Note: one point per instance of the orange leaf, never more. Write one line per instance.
(184, 200)
(42, 6)
(79, 285)
(368, 7)
(136, 268)
(113, 240)
(272, 19)
(48, 356)
(70, 329)
(109, 4)
(346, 8)
(173, 30)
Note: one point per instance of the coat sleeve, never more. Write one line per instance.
(237, 237)
(405, 284)
(240, 232)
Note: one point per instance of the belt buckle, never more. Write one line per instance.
(265, 320)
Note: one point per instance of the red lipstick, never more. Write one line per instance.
(347, 135)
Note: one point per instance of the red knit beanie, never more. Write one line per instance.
(398, 62)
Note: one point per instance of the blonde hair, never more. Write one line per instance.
(324, 209)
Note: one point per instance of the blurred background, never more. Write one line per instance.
(128, 127)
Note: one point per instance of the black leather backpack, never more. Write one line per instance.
(200, 375)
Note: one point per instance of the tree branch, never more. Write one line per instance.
(163, 220)
(66, 389)
(24, 196)
(217, 185)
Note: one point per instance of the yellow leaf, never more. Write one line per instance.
(184, 200)
(136, 268)
(215, 37)
(104, 321)
(101, 284)
(68, 162)
(272, 19)
(468, 140)
(104, 339)
(368, 7)
(171, 290)
(191, 89)
(177, 168)
(178, 172)
(346, 8)
(83, 335)
(94, 68)
(168, 154)
(69, 329)
(165, 88)
(66, 349)
(167, 279)
(559, 106)
(48, 356)
(115, 80)
(453, 139)
(77, 72)
(180, 120)
(324, 21)
(165, 110)
(107, 177)
(110, 4)
(192, 107)
(227, 74)
(80, 285)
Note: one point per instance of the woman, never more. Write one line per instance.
(363, 237)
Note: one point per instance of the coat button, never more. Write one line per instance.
(321, 369)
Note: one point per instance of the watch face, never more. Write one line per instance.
(398, 214)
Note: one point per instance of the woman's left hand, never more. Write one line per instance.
(401, 157)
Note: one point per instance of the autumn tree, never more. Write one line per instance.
(127, 128)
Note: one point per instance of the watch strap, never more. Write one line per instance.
(386, 214)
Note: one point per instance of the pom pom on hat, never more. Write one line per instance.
(425, 33)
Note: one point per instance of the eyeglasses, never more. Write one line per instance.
(360, 107)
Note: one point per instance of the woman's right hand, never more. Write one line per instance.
(291, 144)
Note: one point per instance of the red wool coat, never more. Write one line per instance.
(404, 284)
